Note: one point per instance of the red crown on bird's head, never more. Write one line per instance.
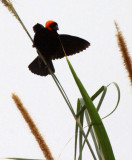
(48, 23)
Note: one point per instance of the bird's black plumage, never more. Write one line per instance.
(47, 42)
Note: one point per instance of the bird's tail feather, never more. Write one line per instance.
(39, 68)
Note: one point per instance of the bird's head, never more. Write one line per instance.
(51, 25)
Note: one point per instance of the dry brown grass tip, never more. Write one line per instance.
(124, 52)
(44, 147)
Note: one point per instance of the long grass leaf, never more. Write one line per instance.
(97, 93)
(90, 130)
(76, 131)
(118, 100)
(102, 137)
(92, 98)
(80, 134)
(102, 98)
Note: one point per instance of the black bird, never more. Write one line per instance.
(46, 40)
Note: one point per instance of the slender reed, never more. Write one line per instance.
(44, 147)
(124, 52)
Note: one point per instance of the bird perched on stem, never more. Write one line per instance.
(47, 41)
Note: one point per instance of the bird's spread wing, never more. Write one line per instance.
(38, 67)
(72, 45)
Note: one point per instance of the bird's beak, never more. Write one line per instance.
(56, 27)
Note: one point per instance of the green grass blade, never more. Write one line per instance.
(97, 93)
(118, 100)
(82, 104)
(102, 98)
(84, 135)
(92, 134)
(76, 131)
(104, 90)
(93, 98)
(80, 134)
(100, 132)
(89, 130)
(81, 111)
